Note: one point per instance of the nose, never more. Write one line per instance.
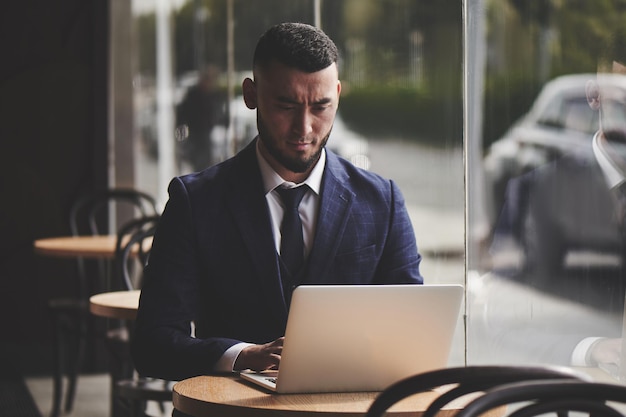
(302, 123)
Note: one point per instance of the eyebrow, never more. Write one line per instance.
(325, 100)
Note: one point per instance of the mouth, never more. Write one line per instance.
(299, 145)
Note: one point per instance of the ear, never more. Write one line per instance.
(592, 91)
(249, 93)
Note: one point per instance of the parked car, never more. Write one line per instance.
(560, 217)
(560, 120)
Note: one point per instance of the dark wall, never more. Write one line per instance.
(52, 148)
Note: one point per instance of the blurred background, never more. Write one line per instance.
(449, 98)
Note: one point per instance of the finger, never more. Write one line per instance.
(278, 342)
(275, 361)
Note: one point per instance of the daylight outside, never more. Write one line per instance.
(479, 110)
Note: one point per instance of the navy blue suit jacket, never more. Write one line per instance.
(214, 260)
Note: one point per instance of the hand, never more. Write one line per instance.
(606, 351)
(260, 357)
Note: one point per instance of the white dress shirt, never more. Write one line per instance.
(308, 209)
(614, 177)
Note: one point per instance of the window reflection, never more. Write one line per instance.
(549, 285)
(534, 291)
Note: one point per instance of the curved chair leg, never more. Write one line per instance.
(57, 388)
(77, 359)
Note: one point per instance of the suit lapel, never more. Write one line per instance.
(249, 208)
(335, 204)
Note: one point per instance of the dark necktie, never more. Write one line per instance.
(292, 243)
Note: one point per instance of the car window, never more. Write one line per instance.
(572, 114)
(577, 115)
(550, 115)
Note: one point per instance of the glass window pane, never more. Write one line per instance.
(400, 111)
(546, 280)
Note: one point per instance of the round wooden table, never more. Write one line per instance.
(94, 247)
(102, 246)
(230, 396)
(115, 304)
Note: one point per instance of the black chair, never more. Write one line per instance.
(464, 380)
(70, 315)
(533, 398)
(131, 392)
(131, 250)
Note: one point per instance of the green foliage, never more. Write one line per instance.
(383, 111)
(401, 59)
(146, 29)
(506, 99)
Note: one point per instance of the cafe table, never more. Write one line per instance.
(230, 396)
(94, 247)
(115, 304)
(123, 305)
(85, 246)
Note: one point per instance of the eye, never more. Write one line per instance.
(321, 107)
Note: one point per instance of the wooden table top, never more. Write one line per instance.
(115, 305)
(102, 246)
(87, 246)
(230, 396)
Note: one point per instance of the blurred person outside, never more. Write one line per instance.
(217, 259)
(203, 110)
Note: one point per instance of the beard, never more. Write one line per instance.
(292, 163)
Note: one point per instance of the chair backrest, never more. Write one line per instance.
(85, 213)
(464, 380)
(533, 398)
(86, 218)
(133, 248)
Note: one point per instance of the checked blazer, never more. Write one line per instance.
(214, 261)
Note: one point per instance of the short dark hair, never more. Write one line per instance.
(296, 45)
(612, 49)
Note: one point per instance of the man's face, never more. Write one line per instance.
(295, 114)
(611, 103)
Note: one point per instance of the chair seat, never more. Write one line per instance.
(146, 389)
(118, 335)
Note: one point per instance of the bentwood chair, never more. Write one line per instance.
(463, 381)
(70, 315)
(546, 397)
(132, 249)
(131, 392)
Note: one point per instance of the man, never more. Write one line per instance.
(217, 260)
(202, 110)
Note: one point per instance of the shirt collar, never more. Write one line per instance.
(272, 180)
(612, 174)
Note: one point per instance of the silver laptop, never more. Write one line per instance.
(351, 338)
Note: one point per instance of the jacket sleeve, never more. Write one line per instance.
(162, 344)
(400, 259)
